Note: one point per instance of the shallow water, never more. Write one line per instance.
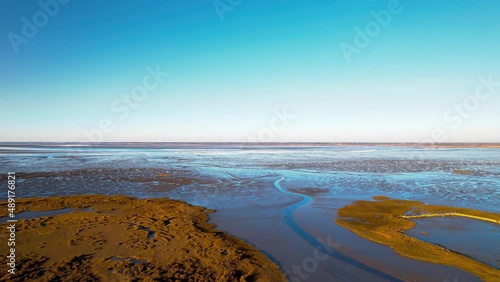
(239, 182)
(475, 238)
(33, 214)
(37, 214)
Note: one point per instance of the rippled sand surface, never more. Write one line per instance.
(117, 238)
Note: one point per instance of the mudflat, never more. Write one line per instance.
(384, 221)
(119, 238)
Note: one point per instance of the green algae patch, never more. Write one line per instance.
(385, 220)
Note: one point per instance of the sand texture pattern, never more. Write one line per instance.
(118, 238)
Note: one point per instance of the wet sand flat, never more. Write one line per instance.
(284, 223)
(266, 228)
(384, 221)
(118, 238)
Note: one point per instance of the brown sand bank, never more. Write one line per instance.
(118, 238)
(384, 221)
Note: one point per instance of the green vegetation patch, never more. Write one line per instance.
(384, 221)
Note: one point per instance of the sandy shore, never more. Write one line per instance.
(118, 238)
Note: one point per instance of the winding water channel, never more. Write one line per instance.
(287, 216)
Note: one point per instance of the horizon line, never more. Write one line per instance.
(236, 142)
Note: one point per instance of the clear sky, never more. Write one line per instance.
(232, 68)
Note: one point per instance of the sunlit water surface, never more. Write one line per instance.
(239, 182)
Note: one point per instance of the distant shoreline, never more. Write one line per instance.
(247, 144)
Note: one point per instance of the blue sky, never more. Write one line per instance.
(227, 77)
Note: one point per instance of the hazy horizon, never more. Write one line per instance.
(250, 144)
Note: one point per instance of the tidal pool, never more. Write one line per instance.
(474, 238)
